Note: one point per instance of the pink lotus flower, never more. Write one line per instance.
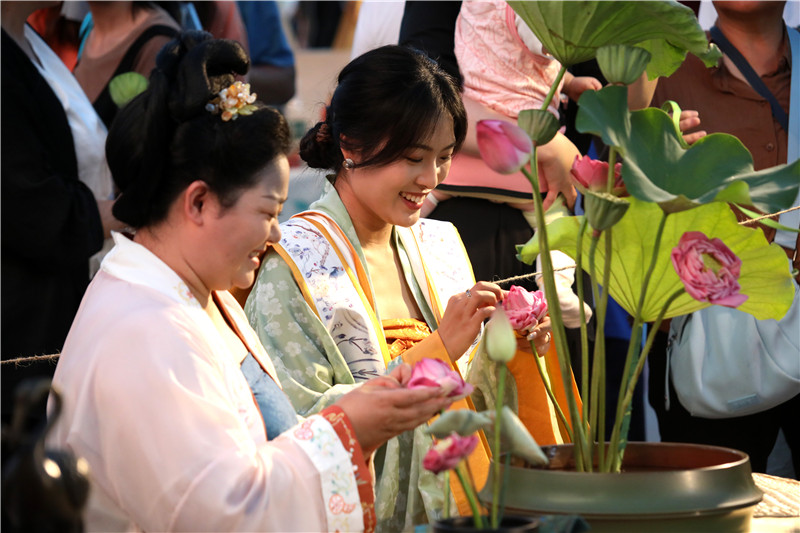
(524, 309)
(505, 147)
(708, 269)
(593, 174)
(445, 454)
(435, 373)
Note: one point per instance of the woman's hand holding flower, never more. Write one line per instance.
(524, 309)
(386, 406)
(433, 373)
(527, 312)
(464, 315)
(541, 336)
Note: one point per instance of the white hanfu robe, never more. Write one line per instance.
(160, 409)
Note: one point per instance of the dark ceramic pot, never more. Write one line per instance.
(664, 487)
(465, 524)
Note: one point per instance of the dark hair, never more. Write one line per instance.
(386, 100)
(166, 138)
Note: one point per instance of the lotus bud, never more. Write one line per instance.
(501, 343)
(462, 421)
(517, 440)
(504, 147)
(603, 210)
(622, 64)
(540, 124)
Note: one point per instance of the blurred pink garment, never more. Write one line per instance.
(505, 70)
(500, 70)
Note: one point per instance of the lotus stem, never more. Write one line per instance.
(470, 493)
(631, 357)
(501, 389)
(549, 389)
(507, 465)
(559, 334)
(629, 391)
(612, 161)
(446, 506)
(603, 307)
(552, 92)
(584, 334)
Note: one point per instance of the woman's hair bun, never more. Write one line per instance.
(190, 70)
(199, 67)
(318, 147)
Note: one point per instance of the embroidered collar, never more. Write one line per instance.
(132, 262)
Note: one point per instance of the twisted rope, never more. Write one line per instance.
(22, 360)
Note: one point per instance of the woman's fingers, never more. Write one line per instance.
(402, 373)
(379, 413)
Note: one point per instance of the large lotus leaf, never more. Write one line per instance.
(765, 275)
(657, 168)
(573, 31)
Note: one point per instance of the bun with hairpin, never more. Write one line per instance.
(191, 71)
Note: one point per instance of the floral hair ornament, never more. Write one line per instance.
(233, 101)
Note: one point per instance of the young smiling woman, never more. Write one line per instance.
(364, 284)
(157, 371)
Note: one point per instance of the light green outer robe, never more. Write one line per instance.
(314, 374)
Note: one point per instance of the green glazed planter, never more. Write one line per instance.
(664, 487)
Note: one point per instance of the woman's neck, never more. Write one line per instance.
(113, 22)
(373, 233)
(170, 252)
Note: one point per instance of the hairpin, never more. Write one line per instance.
(233, 101)
(323, 133)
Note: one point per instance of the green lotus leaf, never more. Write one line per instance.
(765, 276)
(657, 168)
(562, 233)
(125, 87)
(573, 31)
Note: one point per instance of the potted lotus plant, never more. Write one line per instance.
(456, 432)
(658, 234)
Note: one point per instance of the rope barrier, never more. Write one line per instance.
(53, 357)
(20, 360)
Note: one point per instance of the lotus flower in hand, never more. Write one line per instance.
(708, 269)
(435, 373)
(524, 309)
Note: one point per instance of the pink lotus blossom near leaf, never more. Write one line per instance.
(435, 373)
(524, 309)
(445, 454)
(504, 147)
(593, 174)
(708, 269)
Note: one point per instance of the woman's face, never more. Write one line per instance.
(393, 194)
(242, 232)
